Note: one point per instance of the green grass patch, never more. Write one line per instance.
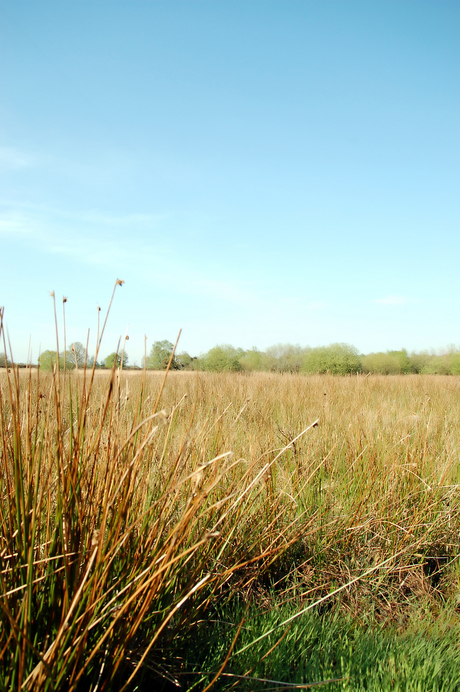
(422, 656)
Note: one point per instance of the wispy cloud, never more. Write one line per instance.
(10, 157)
(101, 240)
(392, 300)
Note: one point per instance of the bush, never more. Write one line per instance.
(224, 358)
(184, 361)
(115, 358)
(337, 359)
(283, 358)
(253, 360)
(48, 360)
(455, 364)
(419, 361)
(389, 363)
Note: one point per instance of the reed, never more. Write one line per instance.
(130, 507)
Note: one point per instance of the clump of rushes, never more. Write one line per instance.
(113, 535)
(132, 503)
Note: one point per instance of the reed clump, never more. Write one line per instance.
(126, 516)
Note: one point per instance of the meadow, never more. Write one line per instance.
(249, 530)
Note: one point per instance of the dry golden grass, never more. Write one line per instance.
(118, 527)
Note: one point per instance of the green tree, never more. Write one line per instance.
(283, 358)
(389, 363)
(446, 362)
(4, 362)
(223, 358)
(337, 359)
(455, 364)
(185, 361)
(159, 356)
(252, 360)
(419, 361)
(115, 358)
(48, 360)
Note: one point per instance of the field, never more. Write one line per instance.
(219, 529)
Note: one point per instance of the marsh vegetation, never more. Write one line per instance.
(141, 516)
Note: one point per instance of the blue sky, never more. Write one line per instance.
(256, 171)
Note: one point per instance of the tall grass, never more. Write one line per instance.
(126, 516)
(119, 522)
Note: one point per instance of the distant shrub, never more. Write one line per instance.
(337, 359)
(443, 364)
(252, 360)
(283, 358)
(389, 363)
(49, 359)
(159, 356)
(184, 361)
(419, 361)
(115, 358)
(223, 358)
(455, 364)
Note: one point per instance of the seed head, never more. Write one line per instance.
(119, 282)
(162, 418)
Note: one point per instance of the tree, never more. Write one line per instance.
(418, 361)
(77, 354)
(159, 356)
(48, 360)
(91, 361)
(224, 358)
(185, 361)
(283, 358)
(4, 362)
(115, 358)
(455, 364)
(337, 359)
(252, 360)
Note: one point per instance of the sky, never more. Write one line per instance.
(255, 171)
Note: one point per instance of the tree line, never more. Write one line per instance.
(336, 359)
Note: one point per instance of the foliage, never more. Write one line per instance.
(419, 361)
(159, 356)
(455, 364)
(444, 363)
(252, 360)
(4, 362)
(359, 654)
(48, 360)
(184, 361)
(115, 358)
(283, 358)
(224, 358)
(389, 363)
(336, 359)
